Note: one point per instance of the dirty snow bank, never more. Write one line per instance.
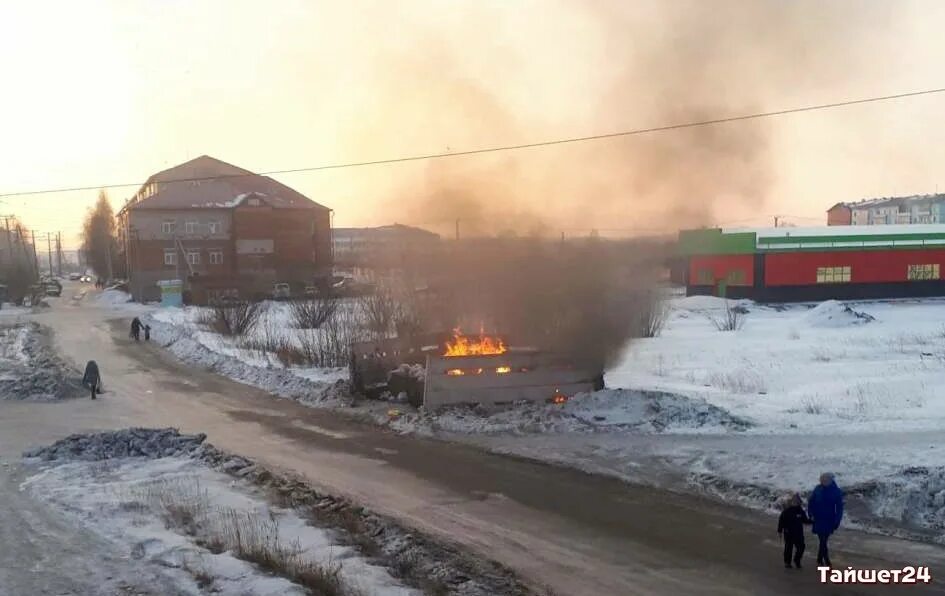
(112, 297)
(177, 331)
(30, 369)
(610, 410)
(109, 481)
(909, 503)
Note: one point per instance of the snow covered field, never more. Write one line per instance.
(833, 367)
(127, 501)
(748, 414)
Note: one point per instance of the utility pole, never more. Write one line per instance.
(457, 228)
(108, 253)
(59, 253)
(6, 221)
(49, 251)
(775, 221)
(35, 256)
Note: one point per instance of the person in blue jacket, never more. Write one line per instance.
(825, 507)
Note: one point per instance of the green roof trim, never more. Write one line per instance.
(714, 242)
(848, 239)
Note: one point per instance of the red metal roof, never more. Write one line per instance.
(208, 183)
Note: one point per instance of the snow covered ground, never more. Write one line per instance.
(127, 500)
(749, 414)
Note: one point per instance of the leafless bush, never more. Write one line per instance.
(233, 318)
(731, 319)
(313, 313)
(649, 311)
(812, 406)
(330, 346)
(378, 310)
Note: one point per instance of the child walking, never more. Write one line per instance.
(791, 528)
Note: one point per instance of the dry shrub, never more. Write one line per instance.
(313, 313)
(249, 535)
(378, 310)
(233, 318)
(650, 311)
(731, 319)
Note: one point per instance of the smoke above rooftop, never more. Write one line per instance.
(620, 66)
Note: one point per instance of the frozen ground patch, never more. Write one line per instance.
(180, 503)
(616, 410)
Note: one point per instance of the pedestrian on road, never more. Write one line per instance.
(92, 379)
(825, 507)
(136, 329)
(147, 333)
(791, 529)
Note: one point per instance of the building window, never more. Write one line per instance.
(216, 257)
(170, 257)
(215, 227)
(833, 275)
(168, 226)
(735, 277)
(253, 202)
(193, 257)
(190, 227)
(921, 272)
(704, 277)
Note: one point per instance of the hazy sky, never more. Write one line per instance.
(110, 92)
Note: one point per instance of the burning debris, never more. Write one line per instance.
(561, 312)
(463, 345)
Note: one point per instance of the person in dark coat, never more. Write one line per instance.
(791, 529)
(92, 379)
(825, 507)
(136, 329)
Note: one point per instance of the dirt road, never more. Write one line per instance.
(576, 533)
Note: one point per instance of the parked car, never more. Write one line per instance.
(281, 291)
(74, 276)
(52, 288)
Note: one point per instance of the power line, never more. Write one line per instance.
(562, 141)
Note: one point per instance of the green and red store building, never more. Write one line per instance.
(800, 264)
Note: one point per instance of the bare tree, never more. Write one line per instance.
(99, 241)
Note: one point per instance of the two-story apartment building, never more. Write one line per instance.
(221, 230)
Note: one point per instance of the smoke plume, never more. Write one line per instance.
(623, 66)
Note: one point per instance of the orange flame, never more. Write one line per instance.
(463, 345)
(501, 370)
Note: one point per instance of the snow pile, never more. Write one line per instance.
(616, 410)
(835, 314)
(30, 369)
(115, 495)
(113, 297)
(913, 497)
(132, 442)
(177, 331)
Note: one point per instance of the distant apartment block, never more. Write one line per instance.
(917, 209)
